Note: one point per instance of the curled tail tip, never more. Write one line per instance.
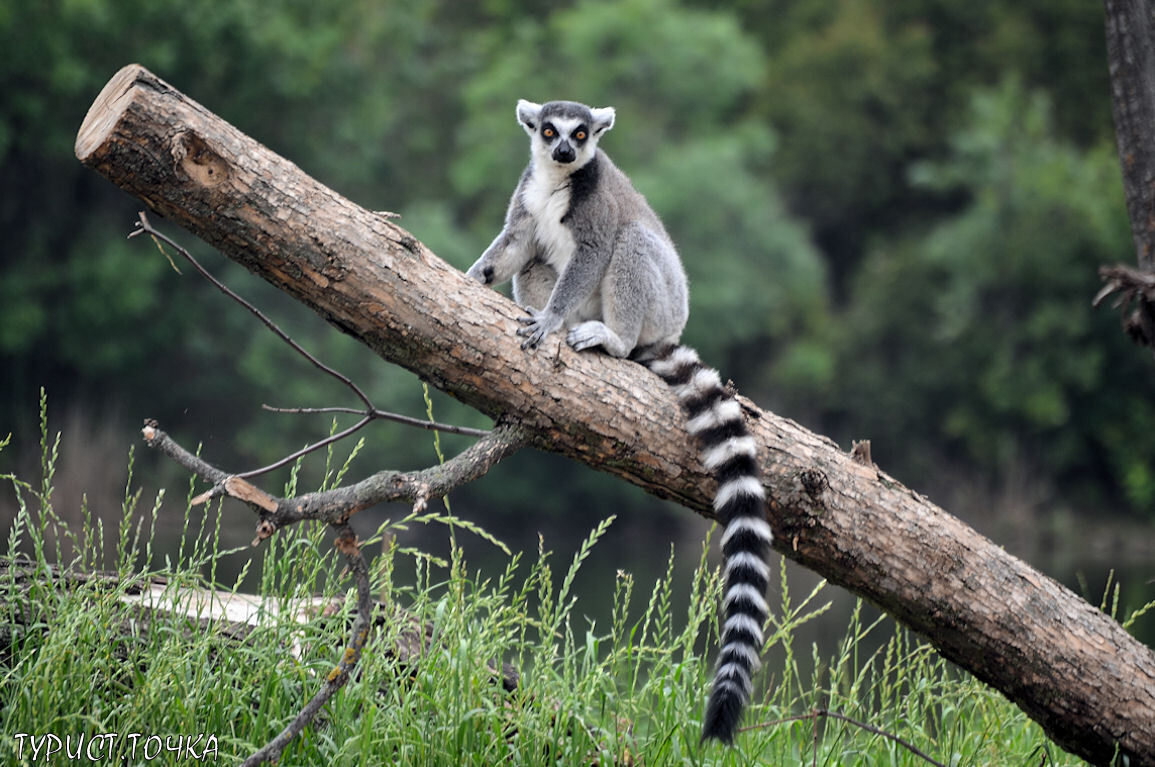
(725, 737)
(722, 715)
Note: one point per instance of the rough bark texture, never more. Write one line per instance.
(1069, 666)
(1131, 60)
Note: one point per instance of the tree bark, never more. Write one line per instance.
(1066, 664)
(1131, 61)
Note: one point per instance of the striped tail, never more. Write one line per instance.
(728, 450)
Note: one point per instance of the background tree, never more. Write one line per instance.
(1002, 365)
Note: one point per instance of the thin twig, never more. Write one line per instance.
(335, 507)
(876, 731)
(444, 428)
(817, 713)
(814, 742)
(348, 545)
(307, 449)
(144, 226)
(158, 440)
(338, 504)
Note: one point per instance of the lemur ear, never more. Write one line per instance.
(603, 120)
(528, 114)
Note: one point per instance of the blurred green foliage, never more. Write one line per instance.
(891, 212)
(987, 339)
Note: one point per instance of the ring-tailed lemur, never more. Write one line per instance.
(586, 252)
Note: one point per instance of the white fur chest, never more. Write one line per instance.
(546, 196)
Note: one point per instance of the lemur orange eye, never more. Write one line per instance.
(548, 132)
(580, 135)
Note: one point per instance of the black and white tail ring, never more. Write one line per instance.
(729, 452)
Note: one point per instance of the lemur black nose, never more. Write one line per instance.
(564, 153)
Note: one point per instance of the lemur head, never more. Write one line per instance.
(564, 132)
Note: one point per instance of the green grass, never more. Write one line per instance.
(628, 692)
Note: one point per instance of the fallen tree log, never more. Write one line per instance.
(230, 615)
(1065, 663)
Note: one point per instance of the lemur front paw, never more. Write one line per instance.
(481, 273)
(592, 334)
(537, 326)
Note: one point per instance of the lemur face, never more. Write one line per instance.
(564, 132)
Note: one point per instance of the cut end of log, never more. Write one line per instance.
(105, 112)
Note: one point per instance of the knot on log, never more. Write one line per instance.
(197, 161)
(815, 483)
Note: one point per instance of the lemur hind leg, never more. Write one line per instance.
(533, 285)
(628, 294)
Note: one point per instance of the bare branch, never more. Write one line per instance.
(348, 545)
(820, 713)
(157, 439)
(145, 227)
(444, 428)
(337, 505)
(875, 730)
(418, 486)
(308, 449)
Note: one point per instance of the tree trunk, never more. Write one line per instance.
(1070, 667)
(1131, 61)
